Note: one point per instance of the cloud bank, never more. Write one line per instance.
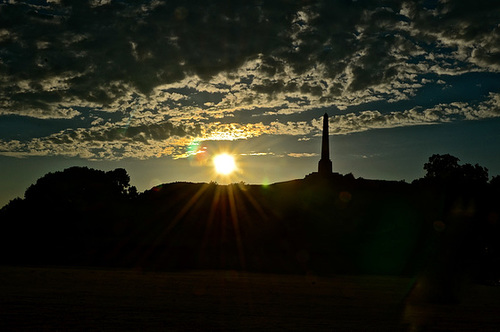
(141, 79)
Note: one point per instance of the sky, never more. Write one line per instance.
(161, 87)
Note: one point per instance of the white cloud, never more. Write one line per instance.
(108, 141)
(154, 76)
(302, 155)
(97, 3)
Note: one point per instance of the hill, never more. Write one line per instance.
(337, 224)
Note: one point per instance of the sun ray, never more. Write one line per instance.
(254, 203)
(211, 224)
(236, 223)
(164, 233)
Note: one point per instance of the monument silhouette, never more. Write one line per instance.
(325, 164)
(325, 168)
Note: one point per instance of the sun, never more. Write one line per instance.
(224, 164)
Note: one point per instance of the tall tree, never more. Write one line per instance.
(446, 168)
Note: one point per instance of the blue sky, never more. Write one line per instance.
(148, 85)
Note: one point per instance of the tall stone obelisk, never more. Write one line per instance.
(325, 164)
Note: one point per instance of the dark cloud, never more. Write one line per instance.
(140, 133)
(207, 60)
(143, 44)
(135, 43)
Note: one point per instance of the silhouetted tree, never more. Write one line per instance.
(476, 173)
(69, 214)
(441, 167)
(81, 184)
(121, 180)
(445, 168)
(495, 181)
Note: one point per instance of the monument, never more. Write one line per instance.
(325, 164)
(325, 169)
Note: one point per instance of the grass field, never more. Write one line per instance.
(90, 299)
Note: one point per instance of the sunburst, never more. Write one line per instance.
(224, 164)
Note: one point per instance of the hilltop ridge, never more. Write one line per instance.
(336, 224)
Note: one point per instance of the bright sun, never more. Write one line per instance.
(224, 164)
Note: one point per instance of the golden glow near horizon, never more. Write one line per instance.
(224, 164)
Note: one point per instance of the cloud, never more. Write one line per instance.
(35, 111)
(143, 133)
(441, 113)
(140, 79)
(257, 154)
(302, 155)
(96, 51)
(107, 141)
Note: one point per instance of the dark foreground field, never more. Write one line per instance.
(85, 299)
